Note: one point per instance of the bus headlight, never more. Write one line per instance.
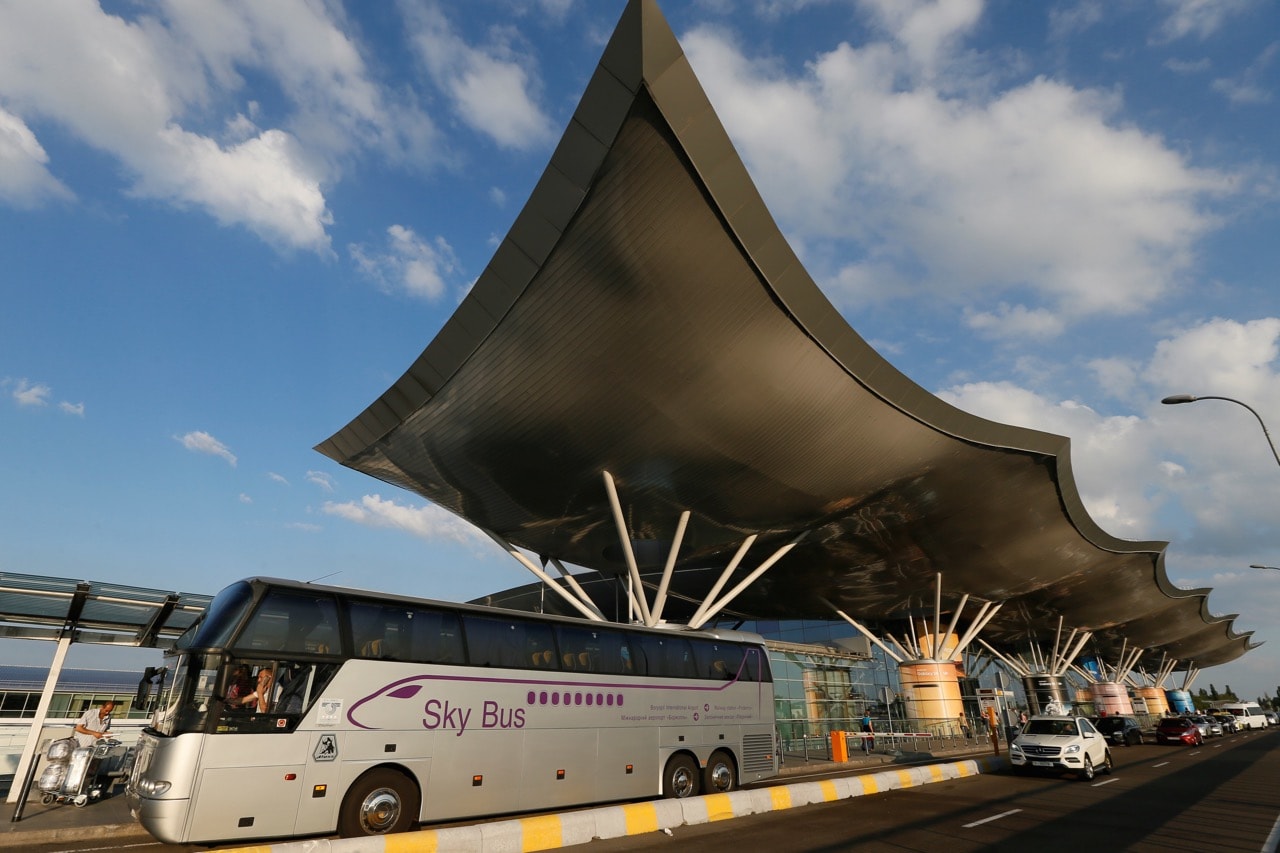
(153, 787)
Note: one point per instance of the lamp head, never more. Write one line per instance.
(1178, 398)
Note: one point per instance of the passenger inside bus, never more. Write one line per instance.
(239, 685)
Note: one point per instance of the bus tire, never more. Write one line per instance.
(680, 779)
(381, 801)
(720, 775)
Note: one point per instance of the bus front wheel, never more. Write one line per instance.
(721, 776)
(381, 801)
(681, 778)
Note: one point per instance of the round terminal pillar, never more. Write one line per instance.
(935, 649)
(931, 694)
(1180, 701)
(1155, 700)
(1110, 697)
(1044, 690)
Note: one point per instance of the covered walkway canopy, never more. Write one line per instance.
(646, 318)
(65, 611)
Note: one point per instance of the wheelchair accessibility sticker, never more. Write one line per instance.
(326, 748)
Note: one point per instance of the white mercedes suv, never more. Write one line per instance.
(1060, 744)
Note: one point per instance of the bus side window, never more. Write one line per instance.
(366, 628)
(614, 653)
(573, 645)
(680, 658)
(719, 661)
(505, 642)
(435, 637)
(537, 639)
(668, 657)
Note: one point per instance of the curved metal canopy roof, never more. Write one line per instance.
(646, 317)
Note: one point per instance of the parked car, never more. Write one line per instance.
(1228, 723)
(1121, 731)
(1179, 730)
(1060, 745)
(1208, 726)
(1273, 719)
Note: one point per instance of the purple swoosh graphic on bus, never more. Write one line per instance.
(387, 714)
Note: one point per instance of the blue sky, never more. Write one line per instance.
(227, 227)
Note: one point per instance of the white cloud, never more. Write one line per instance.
(27, 393)
(25, 180)
(428, 522)
(245, 499)
(320, 479)
(277, 478)
(1111, 457)
(1015, 321)
(139, 90)
(493, 88)
(1038, 190)
(1203, 473)
(202, 442)
(1118, 377)
(1071, 19)
(1222, 357)
(1248, 87)
(1199, 18)
(76, 409)
(409, 264)
(926, 29)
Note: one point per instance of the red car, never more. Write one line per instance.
(1179, 730)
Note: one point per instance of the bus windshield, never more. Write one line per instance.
(226, 611)
(185, 694)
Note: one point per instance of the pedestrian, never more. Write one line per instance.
(964, 725)
(94, 723)
(1022, 718)
(868, 733)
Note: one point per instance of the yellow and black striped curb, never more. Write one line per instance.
(550, 832)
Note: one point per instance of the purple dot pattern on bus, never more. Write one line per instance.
(567, 698)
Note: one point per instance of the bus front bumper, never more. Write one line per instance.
(162, 818)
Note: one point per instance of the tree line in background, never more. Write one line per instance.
(1211, 697)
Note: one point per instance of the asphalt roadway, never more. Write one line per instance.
(1223, 796)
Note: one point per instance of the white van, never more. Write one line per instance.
(1248, 715)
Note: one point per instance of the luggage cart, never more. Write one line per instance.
(83, 774)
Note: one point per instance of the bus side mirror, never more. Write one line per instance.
(142, 700)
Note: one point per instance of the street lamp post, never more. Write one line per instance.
(1175, 399)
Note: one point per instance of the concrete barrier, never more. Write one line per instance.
(553, 831)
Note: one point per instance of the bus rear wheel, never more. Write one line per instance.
(381, 801)
(680, 780)
(721, 776)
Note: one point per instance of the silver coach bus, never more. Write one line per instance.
(294, 709)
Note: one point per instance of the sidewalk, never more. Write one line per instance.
(109, 820)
